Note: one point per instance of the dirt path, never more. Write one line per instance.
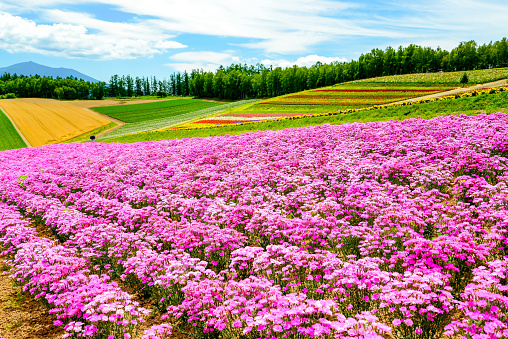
(22, 316)
(460, 90)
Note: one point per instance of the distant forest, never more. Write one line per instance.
(242, 81)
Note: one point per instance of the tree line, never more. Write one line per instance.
(239, 81)
(242, 81)
(47, 87)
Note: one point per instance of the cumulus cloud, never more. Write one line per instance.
(210, 61)
(282, 26)
(20, 35)
(206, 60)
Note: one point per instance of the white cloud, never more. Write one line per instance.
(445, 23)
(205, 60)
(212, 57)
(18, 35)
(274, 27)
(282, 26)
(210, 61)
(306, 61)
(165, 45)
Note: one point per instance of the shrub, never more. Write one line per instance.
(464, 79)
(8, 96)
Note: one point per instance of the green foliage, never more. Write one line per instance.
(8, 96)
(47, 87)
(161, 94)
(240, 81)
(464, 79)
(10, 139)
(22, 179)
(155, 110)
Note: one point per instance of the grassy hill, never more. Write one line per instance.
(321, 100)
(470, 103)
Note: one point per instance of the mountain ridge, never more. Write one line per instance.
(31, 68)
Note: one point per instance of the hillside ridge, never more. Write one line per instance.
(32, 68)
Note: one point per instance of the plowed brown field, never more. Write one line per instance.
(51, 122)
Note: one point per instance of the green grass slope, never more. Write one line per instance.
(478, 104)
(480, 76)
(9, 137)
(326, 99)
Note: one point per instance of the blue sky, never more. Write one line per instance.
(158, 37)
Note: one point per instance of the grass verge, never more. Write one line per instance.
(10, 139)
(86, 136)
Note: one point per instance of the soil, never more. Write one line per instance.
(24, 317)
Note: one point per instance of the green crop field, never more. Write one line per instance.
(155, 110)
(154, 124)
(470, 105)
(10, 139)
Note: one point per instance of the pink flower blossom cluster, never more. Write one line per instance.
(395, 228)
(90, 304)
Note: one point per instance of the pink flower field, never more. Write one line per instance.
(382, 230)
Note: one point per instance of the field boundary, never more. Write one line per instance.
(119, 123)
(28, 144)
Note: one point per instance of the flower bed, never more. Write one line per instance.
(334, 98)
(388, 229)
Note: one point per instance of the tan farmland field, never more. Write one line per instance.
(51, 122)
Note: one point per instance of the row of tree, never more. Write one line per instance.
(238, 82)
(242, 81)
(48, 87)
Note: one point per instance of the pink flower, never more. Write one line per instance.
(396, 322)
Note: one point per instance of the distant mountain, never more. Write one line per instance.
(32, 68)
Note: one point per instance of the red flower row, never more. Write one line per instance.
(329, 96)
(219, 121)
(265, 114)
(322, 103)
(382, 90)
